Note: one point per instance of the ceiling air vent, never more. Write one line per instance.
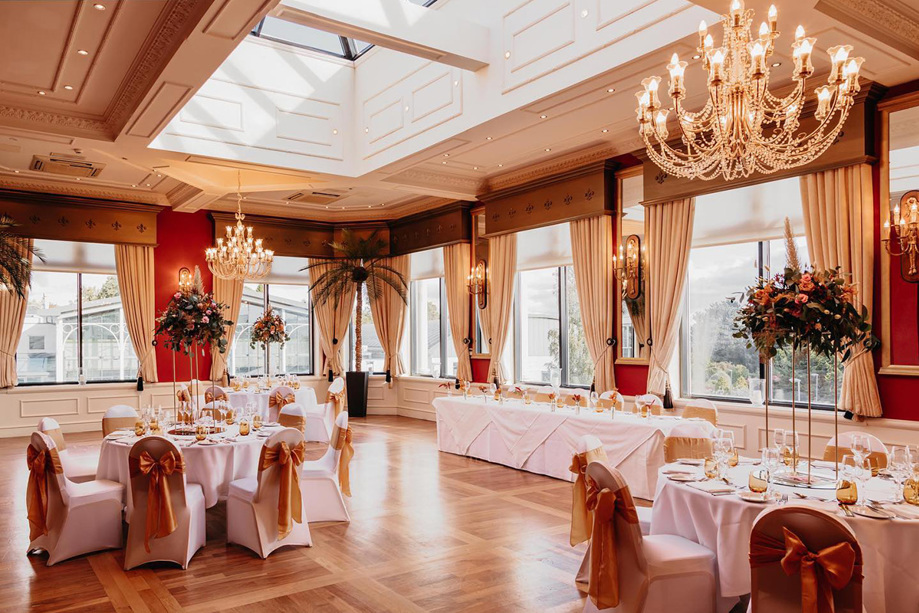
(315, 197)
(68, 165)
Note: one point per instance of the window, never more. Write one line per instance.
(722, 265)
(74, 321)
(549, 331)
(292, 303)
(432, 350)
(373, 358)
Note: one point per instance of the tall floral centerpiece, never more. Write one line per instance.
(268, 329)
(192, 320)
(806, 309)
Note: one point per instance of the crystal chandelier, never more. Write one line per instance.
(743, 128)
(239, 257)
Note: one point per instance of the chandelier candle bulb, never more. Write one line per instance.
(703, 33)
(677, 70)
(737, 13)
(838, 56)
(773, 19)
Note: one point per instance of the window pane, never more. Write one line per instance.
(305, 36)
(628, 333)
(821, 368)
(449, 348)
(719, 364)
(540, 324)
(292, 303)
(51, 326)
(372, 354)
(108, 354)
(426, 328)
(243, 360)
(580, 364)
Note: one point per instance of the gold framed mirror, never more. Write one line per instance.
(631, 282)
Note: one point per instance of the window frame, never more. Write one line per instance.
(764, 261)
(79, 335)
(266, 301)
(444, 328)
(563, 322)
(349, 358)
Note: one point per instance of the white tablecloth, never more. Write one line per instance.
(210, 466)
(306, 398)
(532, 438)
(723, 524)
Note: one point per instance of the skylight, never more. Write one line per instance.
(308, 37)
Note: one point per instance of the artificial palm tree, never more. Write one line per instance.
(15, 260)
(361, 262)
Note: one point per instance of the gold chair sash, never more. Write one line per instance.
(280, 400)
(110, 424)
(686, 447)
(40, 463)
(290, 503)
(609, 403)
(580, 516)
(161, 518)
(336, 400)
(829, 569)
(183, 395)
(209, 396)
(292, 421)
(877, 459)
(543, 397)
(603, 586)
(343, 442)
(706, 413)
(569, 401)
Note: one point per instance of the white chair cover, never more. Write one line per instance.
(614, 397)
(878, 453)
(80, 467)
(337, 386)
(657, 574)
(293, 416)
(649, 399)
(274, 411)
(80, 517)
(118, 416)
(252, 505)
(702, 408)
(321, 491)
(187, 503)
(687, 440)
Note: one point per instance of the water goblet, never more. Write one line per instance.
(140, 427)
(847, 490)
(899, 468)
(758, 481)
(771, 460)
(200, 431)
(860, 446)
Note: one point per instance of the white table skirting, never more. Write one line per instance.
(724, 523)
(532, 438)
(213, 467)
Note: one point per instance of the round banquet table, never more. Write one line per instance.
(723, 523)
(305, 397)
(212, 466)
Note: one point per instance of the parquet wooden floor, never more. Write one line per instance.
(430, 531)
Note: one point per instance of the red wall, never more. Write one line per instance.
(182, 239)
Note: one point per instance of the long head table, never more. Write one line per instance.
(535, 439)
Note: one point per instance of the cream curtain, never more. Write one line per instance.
(134, 265)
(502, 268)
(839, 225)
(592, 253)
(389, 319)
(638, 314)
(12, 315)
(332, 318)
(230, 293)
(457, 261)
(668, 228)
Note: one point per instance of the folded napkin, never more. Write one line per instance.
(712, 487)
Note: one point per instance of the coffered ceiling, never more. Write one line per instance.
(172, 100)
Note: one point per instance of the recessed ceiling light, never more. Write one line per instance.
(369, 206)
(446, 155)
(696, 56)
(406, 108)
(610, 90)
(82, 51)
(507, 55)
(584, 13)
(99, 7)
(147, 184)
(776, 64)
(605, 130)
(444, 162)
(487, 138)
(543, 116)
(41, 93)
(547, 149)
(366, 130)
(68, 87)
(500, 165)
(455, 83)
(334, 131)
(133, 184)
(474, 168)
(159, 176)
(16, 171)
(78, 178)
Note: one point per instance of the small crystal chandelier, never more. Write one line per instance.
(240, 257)
(744, 128)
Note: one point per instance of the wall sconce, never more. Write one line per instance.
(903, 228)
(477, 282)
(185, 279)
(627, 267)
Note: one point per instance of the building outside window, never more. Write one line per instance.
(74, 321)
(432, 350)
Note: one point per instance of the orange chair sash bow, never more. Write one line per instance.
(580, 516)
(829, 569)
(161, 519)
(603, 586)
(290, 503)
(336, 400)
(343, 442)
(210, 396)
(280, 400)
(183, 395)
(40, 463)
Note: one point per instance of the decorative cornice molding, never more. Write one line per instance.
(422, 176)
(877, 19)
(82, 126)
(25, 184)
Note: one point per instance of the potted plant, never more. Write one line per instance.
(269, 328)
(360, 263)
(15, 265)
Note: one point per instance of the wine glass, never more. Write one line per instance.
(860, 446)
(771, 460)
(734, 459)
(594, 399)
(900, 468)
(555, 378)
(723, 448)
(757, 391)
